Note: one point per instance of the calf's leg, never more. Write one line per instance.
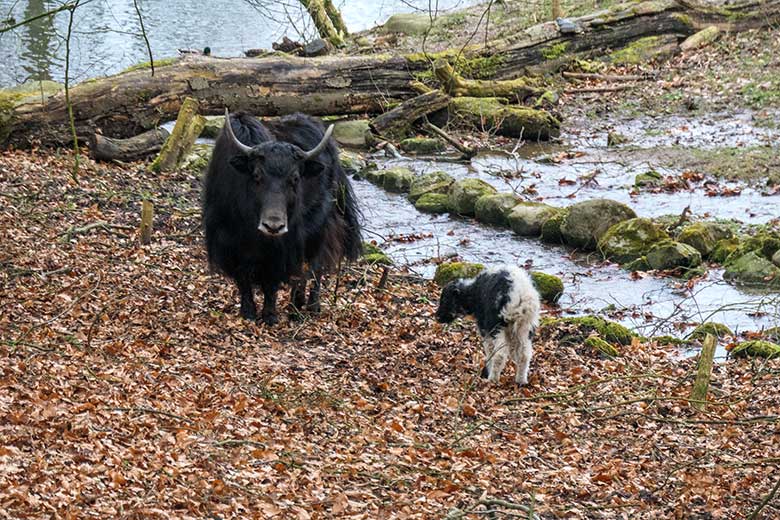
(523, 362)
(298, 295)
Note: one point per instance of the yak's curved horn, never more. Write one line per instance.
(321, 146)
(241, 146)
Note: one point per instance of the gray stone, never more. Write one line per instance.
(669, 254)
(526, 218)
(352, 133)
(588, 221)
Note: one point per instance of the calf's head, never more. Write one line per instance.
(275, 168)
(450, 303)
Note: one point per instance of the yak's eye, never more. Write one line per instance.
(294, 180)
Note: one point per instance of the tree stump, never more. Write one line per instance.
(188, 127)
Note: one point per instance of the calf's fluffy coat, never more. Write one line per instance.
(506, 306)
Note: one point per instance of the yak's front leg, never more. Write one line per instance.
(269, 315)
(313, 304)
(297, 296)
(248, 308)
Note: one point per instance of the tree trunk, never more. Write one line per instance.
(132, 102)
(321, 16)
(103, 148)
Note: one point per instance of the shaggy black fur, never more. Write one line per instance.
(322, 216)
(484, 298)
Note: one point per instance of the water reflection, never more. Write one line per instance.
(107, 38)
(39, 41)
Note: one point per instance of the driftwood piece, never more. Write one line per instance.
(703, 373)
(188, 127)
(454, 84)
(102, 148)
(132, 102)
(467, 152)
(395, 123)
(147, 220)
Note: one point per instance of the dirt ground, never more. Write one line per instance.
(130, 388)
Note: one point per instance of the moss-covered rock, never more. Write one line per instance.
(423, 145)
(526, 218)
(352, 163)
(375, 176)
(213, 127)
(599, 345)
(550, 287)
(608, 330)
(640, 264)
(373, 255)
(447, 272)
(433, 182)
(508, 120)
(198, 158)
(630, 239)
(649, 178)
(463, 195)
(551, 228)
(756, 348)
(587, 221)
(397, 180)
(752, 269)
(414, 24)
(724, 249)
(352, 133)
(435, 203)
(704, 236)
(615, 139)
(494, 209)
(776, 258)
(669, 254)
(718, 330)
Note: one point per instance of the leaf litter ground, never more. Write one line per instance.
(130, 388)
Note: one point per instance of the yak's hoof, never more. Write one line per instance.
(270, 318)
(484, 374)
(249, 314)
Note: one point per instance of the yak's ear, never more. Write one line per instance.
(241, 163)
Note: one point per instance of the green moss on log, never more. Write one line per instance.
(599, 345)
(757, 348)
(146, 65)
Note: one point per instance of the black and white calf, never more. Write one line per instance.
(506, 305)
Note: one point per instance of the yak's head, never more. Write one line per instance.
(451, 302)
(276, 168)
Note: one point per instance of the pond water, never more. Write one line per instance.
(651, 305)
(107, 38)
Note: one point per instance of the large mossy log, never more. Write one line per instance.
(132, 102)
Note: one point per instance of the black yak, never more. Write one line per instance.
(276, 199)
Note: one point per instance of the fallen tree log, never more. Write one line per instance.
(132, 102)
(394, 123)
(102, 148)
(518, 90)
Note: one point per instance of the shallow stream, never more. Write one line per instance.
(651, 305)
